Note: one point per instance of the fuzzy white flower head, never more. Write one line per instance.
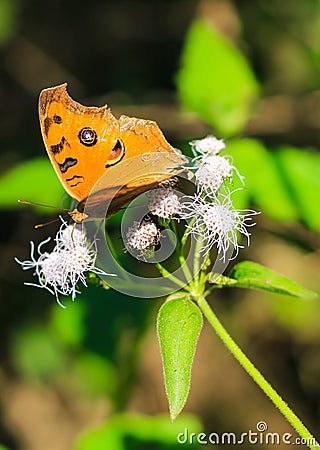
(70, 236)
(212, 172)
(142, 236)
(209, 145)
(217, 223)
(61, 270)
(49, 269)
(163, 203)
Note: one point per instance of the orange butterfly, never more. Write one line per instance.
(84, 143)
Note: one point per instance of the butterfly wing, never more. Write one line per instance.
(85, 143)
(142, 136)
(126, 181)
(78, 139)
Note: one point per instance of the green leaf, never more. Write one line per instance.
(221, 280)
(33, 180)
(68, 325)
(179, 325)
(289, 175)
(251, 275)
(126, 432)
(36, 354)
(215, 80)
(93, 375)
(295, 315)
(9, 13)
(264, 182)
(301, 174)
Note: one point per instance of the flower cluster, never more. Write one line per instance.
(61, 270)
(207, 146)
(217, 223)
(211, 214)
(211, 169)
(164, 203)
(142, 236)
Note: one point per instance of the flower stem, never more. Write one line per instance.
(165, 273)
(186, 234)
(196, 261)
(256, 375)
(185, 269)
(113, 252)
(179, 251)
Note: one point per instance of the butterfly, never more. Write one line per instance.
(99, 159)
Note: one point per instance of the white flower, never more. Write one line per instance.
(70, 236)
(163, 203)
(142, 236)
(61, 270)
(207, 146)
(217, 223)
(212, 172)
(211, 169)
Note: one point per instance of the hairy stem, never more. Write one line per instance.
(256, 375)
(165, 273)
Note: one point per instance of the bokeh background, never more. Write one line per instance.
(89, 376)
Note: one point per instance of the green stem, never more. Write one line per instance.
(179, 252)
(196, 260)
(165, 273)
(256, 375)
(185, 268)
(114, 254)
(172, 227)
(185, 234)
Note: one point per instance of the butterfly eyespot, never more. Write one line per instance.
(87, 136)
(57, 119)
(116, 154)
(79, 165)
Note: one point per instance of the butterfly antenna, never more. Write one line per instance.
(39, 225)
(25, 202)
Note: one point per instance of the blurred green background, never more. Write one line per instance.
(90, 377)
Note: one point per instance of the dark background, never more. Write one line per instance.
(64, 372)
